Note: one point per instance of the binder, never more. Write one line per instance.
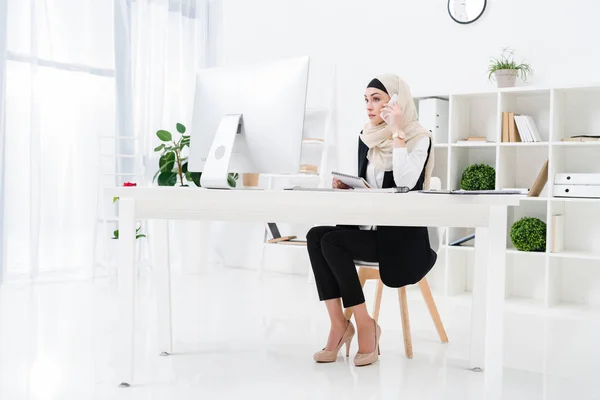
(577, 179)
(585, 191)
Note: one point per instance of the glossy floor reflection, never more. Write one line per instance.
(240, 337)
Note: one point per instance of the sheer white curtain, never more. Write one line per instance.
(168, 46)
(78, 71)
(168, 41)
(3, 31)
(60, 96)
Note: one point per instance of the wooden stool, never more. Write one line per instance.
(368, 271)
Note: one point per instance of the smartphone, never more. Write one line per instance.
(393, 100)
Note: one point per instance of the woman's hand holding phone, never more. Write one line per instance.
(392, 114)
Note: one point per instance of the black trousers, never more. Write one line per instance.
(332, 251)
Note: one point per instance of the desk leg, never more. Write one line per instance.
(127, 283)
(162, 283)
(487, 322)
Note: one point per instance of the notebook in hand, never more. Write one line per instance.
(351, 180)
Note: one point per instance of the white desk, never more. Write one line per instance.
(488, 214)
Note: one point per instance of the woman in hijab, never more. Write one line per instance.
(392, 152)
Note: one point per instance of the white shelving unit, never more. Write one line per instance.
(565, 284)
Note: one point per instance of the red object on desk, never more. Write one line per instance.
(129, 184)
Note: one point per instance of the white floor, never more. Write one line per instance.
(240, 337)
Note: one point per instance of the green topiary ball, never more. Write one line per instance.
(529, 234)
(478, 177)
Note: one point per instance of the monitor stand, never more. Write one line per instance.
(216, 168)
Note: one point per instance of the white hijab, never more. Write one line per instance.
(379, 137)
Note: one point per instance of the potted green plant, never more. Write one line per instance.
(529, 234)
(478, 177)
(173, 163)
(505, 69)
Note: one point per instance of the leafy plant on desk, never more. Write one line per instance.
(173, 163)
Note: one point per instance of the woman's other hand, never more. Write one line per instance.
(337, 184)
(393, 116)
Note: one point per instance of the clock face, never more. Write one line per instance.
(466, 11)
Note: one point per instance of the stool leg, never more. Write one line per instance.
(377, 305)
(363, 275)
(433, 311)
(405, 322)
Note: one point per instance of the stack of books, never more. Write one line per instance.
(581, 138)
(519, 128)
(473, 141)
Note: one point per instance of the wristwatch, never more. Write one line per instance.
(398, 135)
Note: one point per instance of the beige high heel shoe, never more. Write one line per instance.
(327, 356)
(363, 359)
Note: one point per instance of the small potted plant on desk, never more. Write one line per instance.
(173, 163)
(505, 69)
(173, 167)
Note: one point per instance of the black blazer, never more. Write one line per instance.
(404, 253)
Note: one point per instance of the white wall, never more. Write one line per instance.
(415, 39)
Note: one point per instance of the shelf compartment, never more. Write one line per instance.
(535, 209)
(574, 282)
(460, 271)
(463, 157)
(525, 276)
(575, 112)
(581, 229)
(474, 115)
(535, 103)
(572, 159)
(518, 167)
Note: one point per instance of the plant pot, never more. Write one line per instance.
(250, 180)
(506, 77)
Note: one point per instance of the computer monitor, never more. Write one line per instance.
(248, 120)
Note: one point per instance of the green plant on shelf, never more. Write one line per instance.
(529, 234)
(478, 177)
(173, 163)
(506, 61)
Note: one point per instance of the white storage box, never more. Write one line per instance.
(577, 179)
(590, 191)
(433, 115)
